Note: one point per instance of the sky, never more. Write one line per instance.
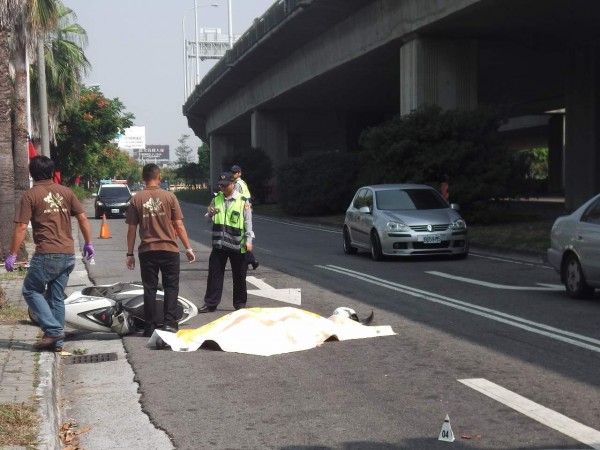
(135, 48)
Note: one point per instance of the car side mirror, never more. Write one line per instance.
(365, 210)
(94, 195)
(455, 206)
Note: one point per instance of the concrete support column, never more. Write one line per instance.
(220, 145)
(555, 153)
(582, 152)
(269, 132)
(439, 72)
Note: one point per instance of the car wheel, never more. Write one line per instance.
(376, 252)
(97, 214)
(574, 279)
(348, 249)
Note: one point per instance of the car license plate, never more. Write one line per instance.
(432, 239)
(114, 211)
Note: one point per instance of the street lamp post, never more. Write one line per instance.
(185, 58)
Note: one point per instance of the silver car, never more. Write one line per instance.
(404, 220)
(575, 249)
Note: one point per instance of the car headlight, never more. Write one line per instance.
(458, 224)
(396, 226)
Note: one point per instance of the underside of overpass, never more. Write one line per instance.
(312, 74)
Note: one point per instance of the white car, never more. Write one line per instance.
(575, 249)
(404, 220)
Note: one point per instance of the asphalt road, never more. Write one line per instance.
(490, 341)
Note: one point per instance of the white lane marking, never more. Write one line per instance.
(548, 287)
(287, 295)
(546, 416)
(514, 261)
(498, 316)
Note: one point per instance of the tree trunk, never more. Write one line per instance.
(20, 133)
(20, 144)
(7, 182)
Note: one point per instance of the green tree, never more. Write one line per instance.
(431, 145)
(190, 174)
(257, 171)
(84, 137)
(10, 11)
(204, 163)
(183, 150)
(66, 64)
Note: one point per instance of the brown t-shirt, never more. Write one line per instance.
(49, 207)
(154, 210)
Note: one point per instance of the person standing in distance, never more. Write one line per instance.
(242, 187)
(159, 217)
(231, 219)
(49, 207)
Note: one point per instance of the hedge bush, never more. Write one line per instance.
(317, 183)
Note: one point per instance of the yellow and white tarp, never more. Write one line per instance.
(269, 331)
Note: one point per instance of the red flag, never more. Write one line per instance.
(32, 152)
(57, 178)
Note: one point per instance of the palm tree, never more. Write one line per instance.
(35, 21)
(10, 11)
(66, 64)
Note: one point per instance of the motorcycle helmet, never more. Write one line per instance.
(345, 312)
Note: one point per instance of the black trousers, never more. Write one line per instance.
(216, 275)
(167, 263)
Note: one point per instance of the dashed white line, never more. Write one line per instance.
(496, 285)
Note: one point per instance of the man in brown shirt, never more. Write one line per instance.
(160, 220)
(49, 207)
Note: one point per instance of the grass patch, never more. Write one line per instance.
(19, 424)
(16, 275)
(8, 313)
(529, 235)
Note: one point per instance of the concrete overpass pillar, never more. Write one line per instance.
(556, 135)
(582, 153)
(439, 72)
(269, 132)
(220, 145)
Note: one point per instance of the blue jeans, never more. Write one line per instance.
(44, 290)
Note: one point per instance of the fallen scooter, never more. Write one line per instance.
(116, 308)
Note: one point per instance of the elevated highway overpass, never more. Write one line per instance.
(312, 74)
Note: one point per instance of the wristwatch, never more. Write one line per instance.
(129, 254)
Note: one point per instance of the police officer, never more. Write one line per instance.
(231, 219)
(242, 187)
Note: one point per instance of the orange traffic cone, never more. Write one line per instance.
(104, 233)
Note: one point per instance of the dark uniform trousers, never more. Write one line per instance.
(167, 263)
(216, 274)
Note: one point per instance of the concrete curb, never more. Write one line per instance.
(48, 396)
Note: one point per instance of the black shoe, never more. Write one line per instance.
(170, 329)
(239, 307)
(254, 265)
(206, 309)
(148, 330)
